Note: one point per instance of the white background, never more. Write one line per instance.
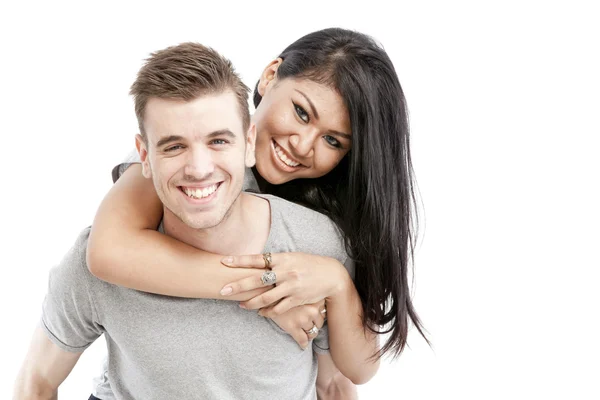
(504, 105)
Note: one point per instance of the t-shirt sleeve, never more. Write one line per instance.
(320, 344)
(119, 169)
(349, 265)
(68, 314)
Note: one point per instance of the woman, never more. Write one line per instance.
(332, 134)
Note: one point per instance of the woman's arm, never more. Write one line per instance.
(306, 279)
(125, 249)
(352, 346)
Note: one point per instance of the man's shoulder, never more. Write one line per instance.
(73, 266)
(308, 231)
(299, 214)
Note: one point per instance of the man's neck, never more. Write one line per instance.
(244, 231)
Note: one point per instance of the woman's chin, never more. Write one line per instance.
(277, 178)
(273, 175)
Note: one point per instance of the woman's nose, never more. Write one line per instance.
(302, 144)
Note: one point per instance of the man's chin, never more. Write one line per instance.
(201, 223)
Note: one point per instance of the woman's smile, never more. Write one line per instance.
(284, 159)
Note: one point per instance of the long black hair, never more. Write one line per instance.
(369, 194)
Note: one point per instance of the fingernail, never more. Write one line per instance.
(242, 306)
(226, 290)
(227, 260)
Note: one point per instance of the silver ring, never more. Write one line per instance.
(268, 278)
(313, 331)
(267, 259)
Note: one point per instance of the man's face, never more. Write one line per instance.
(196, 156)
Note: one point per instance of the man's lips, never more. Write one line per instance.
(200, 191)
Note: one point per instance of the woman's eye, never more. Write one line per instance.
(332, 141)
(301, 113)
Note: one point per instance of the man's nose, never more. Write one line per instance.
(199, 164)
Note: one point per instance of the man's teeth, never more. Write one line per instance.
(200, 193)
(285, 158)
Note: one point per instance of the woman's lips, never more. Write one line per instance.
(283, 159)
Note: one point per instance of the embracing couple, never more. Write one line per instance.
(242, 257)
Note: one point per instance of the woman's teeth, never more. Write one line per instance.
(200, 193)
(284, 158)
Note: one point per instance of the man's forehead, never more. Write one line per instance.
(193, 120)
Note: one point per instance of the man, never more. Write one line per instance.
(195, 144)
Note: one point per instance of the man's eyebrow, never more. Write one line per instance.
(168, 139)
(221, 132)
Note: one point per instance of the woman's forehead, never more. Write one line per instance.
(320, 94)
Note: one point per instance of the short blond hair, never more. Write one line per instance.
(185, 72)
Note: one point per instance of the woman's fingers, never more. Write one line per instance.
(266, 312)
(254, 282)
(319, 320)
(300, 337)
(321, 312)
(249, 261)
(267, 298)
(243, 285)
(312, 331)
(283, 306)
(314, 314)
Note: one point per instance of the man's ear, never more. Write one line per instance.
(142, 149)
(251, 146)
(268, 76)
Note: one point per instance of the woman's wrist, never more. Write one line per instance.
(342, 284)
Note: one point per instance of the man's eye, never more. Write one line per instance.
(219, 141)
(301, 113)
(332, 141)
(173, 148)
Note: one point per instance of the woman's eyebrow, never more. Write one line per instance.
(310, 103)
(341, 134)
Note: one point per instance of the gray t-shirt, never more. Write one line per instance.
(162, 347)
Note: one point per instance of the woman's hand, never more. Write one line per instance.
(300, 279)
(299, 320)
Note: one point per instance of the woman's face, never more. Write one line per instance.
(303, 128)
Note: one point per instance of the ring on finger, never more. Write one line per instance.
(268, 278)
(314, 331)
(267, 259)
